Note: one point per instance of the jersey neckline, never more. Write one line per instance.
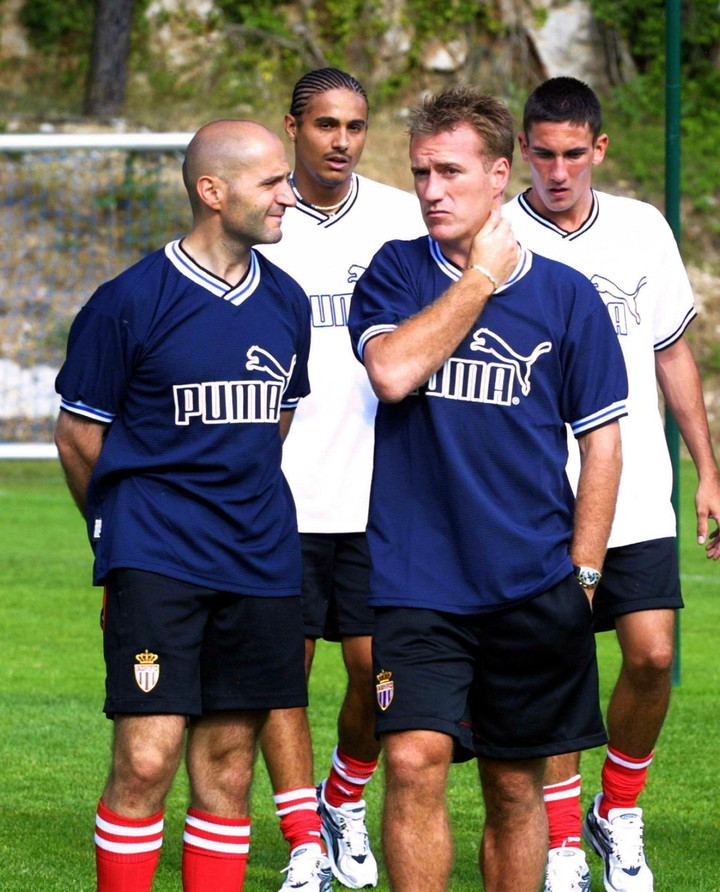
(234, 294)
(553, 227)
(454, 272)
(326, 220)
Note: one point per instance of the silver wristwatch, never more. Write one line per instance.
(588, 577)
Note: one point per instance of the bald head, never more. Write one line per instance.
(224, 149)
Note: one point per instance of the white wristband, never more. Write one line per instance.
(487, 274)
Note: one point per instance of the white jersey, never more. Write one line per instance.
(628, 251)
(327, 457)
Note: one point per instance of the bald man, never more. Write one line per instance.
(180, 381)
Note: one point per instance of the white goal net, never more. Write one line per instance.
(75, 210)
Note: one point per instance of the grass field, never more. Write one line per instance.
(55, 740)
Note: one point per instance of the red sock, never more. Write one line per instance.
(215, 852)
(299, 818)
(127, 850)
(347, 778)
(562, 803)
(623, 780)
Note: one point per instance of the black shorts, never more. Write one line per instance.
(181, 649)
(336, 571)
(514, 684)
(637, 577)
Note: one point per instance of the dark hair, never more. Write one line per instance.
(465, 104)
(563, 99)
(322, 80)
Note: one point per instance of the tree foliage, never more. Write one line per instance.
(56, 25)
(349, 33)
(637, 107)
(642, 24)
(63, 31)
(65, 27)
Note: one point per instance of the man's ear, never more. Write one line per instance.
(523, 143)
(500, 174)
(599, 149)
(290, 124)
(210, 190)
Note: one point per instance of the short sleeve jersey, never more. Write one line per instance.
(628, 252)
(190, 375)
(471, 510)
(327, 457)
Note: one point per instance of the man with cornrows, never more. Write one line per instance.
(340, 221)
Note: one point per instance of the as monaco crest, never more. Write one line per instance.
(385, 689)
(147, 671)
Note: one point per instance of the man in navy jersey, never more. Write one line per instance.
(179, 384)
(482, 563)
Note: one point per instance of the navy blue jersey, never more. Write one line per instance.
(190, 375)
(470, 507)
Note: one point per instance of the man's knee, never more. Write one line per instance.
(146, 770)
(512, 788)
(649, 661)
(647, 643)
(417, 758)
(146, 753)
(357, 656)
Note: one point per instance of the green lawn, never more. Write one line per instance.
(55, 740)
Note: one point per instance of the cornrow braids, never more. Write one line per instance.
(322, 80)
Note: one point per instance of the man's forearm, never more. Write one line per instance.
(400, 361)
(79, 442)
(680, 383)
(601, 465)
(286, 417)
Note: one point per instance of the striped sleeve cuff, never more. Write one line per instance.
(598, 419)
(371, 333)
(678, 333)
(80, 408)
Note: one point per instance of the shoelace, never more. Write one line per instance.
(352, 825)
(302, 868)
(568, 871)
(627, 840)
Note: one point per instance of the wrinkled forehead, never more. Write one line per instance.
(461, 142)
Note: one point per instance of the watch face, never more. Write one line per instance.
(588, 577)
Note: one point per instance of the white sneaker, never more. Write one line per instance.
(346, 837)
(567, 871)
(619, 842)
(308, 870)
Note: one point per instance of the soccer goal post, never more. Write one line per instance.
(76, 209)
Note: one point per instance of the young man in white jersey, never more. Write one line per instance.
(341, 221)
(627, 250)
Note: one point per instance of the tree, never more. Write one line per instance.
(107, 76)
